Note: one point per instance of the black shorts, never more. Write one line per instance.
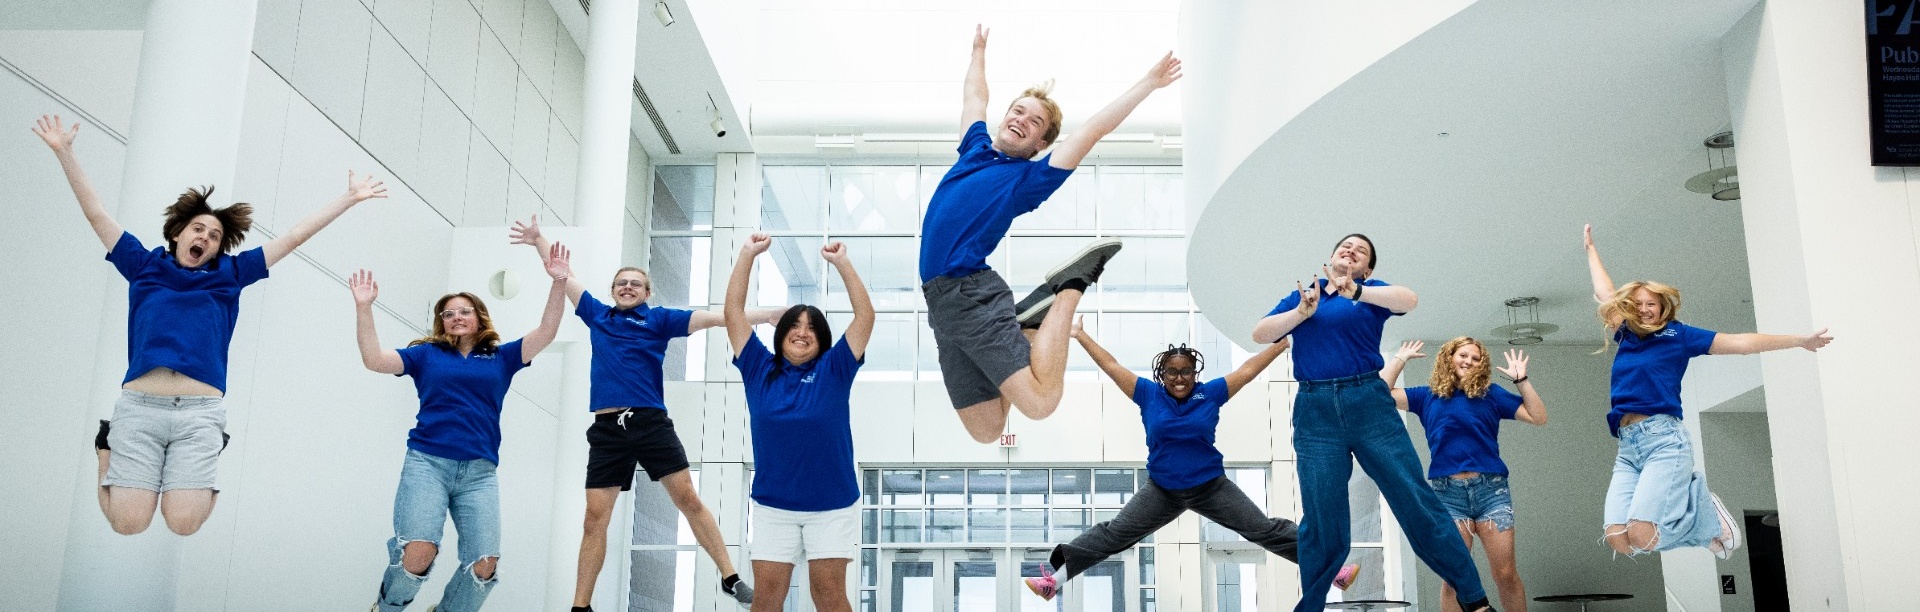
(644, 436)
(976, 334)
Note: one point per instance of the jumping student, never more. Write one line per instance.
(630, 424)
(1461, 410)
(163, 444)
(1656, 500)
(805, 492)
(988, 363)
(1344, 412)
(461, 372)
(1185, 470)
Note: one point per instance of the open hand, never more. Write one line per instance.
(1410, 350)
(525, 232)
(364, 188)
(55, 134)
(364, 289)
(1516, 365)
(835, 253)
(1816, 340)
(1589, 236)
(1163, 72)
(558, 265)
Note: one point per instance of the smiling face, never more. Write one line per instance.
(800, 344)
(1648, 306)
(459, 319)
(1177, 374)
(1468, 359)
(1352, 257)
(631, 288)
(198, 242)
(1024, 130)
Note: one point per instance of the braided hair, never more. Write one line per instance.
(1160, 360)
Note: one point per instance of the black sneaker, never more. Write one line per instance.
(1033, 308)
(100, 439)
(740, 592)
(1084, 267)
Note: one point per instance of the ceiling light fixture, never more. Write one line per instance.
(835, 142)
(661, 13)
(719, 125)
(1722, 178)
(1523, 323)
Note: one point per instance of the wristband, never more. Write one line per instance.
(1356, 291)
(1520, 380)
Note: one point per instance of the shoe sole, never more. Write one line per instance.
(1031, 315)
(1732, 543)
(1103, 249)
(1036, 591)
(1350, 579)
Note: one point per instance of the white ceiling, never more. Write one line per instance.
(1557, 114)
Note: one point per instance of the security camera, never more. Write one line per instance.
(719, 128)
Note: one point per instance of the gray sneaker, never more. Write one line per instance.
(1085, 265)
(742, 592)
(1033, 308)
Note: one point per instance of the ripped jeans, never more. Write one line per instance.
(431, 488)
(1654, 481)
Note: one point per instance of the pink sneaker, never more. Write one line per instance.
(1044, 586)
(1346, 576)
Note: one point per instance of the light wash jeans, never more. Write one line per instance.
(1654, 481)
(1334, 423)
(430, 489)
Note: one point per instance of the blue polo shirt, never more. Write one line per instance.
(460, 399)
(182, 318)
(1463, 433)
(1180, 451)
(802, 428)
(628, 346)
(1341, 339)
(1647, 371)
(976, 202)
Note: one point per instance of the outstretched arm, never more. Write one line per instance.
(1121, 376)
(60, 139)
(559, 268)
(739, 327)
(1602, 284)
(1532, 408)
(1391, 297)
(1276, 326)
(1068, 155)
(528, 233)
(861, 329)
(703, 319)
(1409, 351)
(358, 190)
(973, 94)
(1244, 374)
(384, 361)
(1748, 344)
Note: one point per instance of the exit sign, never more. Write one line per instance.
(1009, 440)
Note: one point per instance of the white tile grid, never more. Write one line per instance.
(487, 178)
(444, 132)
(409, 21)
(390, 119)
(452, 52)
(529, 152)
(563, 153)
(330, 59)
(537, 43)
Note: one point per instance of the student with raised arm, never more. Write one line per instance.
(461, 372)
(1185, 470)
(1344, 412)
(806, 495)
(1461, 410)
(163, 444)
(988, 363)
(630, 424)
(1657, 501)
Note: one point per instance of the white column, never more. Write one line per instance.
(725, 446)
(1831, 241)
(185, 131)
(601, 197)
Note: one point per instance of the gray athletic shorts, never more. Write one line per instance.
(978, 337)
(164, 442)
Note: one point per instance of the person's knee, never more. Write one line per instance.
(982, 435)
(686, 500)
(1642, 536)
(1506, 574)
(483, 569)
(185, 525)
(129, 524)
(417, 557)
(597, 519)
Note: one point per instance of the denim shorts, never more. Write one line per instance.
(1484, 497)
(165, 442)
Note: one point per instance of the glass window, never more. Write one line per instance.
(901, 487)
(790, 272)
(1142, 198)
(1070, 208)
(1236, 587)
(986, 487)
(874, 198)
(1149, 573)
(1028, 487)
(1072, 486)
(947, 487)
(987, 524)
(946, 526)
(793, 198)
(901, 525)
(1068, 524)
(890, 350)
(1112, 486)
(1135, 338)
(1363, 496)
(890, 268)
(682, 198)
(1027, 525)
(1147, 273)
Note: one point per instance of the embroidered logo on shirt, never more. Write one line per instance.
(808, 378)
(1667, 333)
(1199, 396)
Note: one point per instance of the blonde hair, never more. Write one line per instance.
(1444, 381)
(644, 276)
(1039, 93)
(1622, 307)
(484, 341)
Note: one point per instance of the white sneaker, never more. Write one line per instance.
(1729, 539)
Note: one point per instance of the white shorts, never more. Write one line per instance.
(785, 536)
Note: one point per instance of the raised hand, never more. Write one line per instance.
(1079, 328)
(364, 188)
(980, 37)
(835, 253)
(525, 232)
(1589, 236)
(1163, 72)
(364, 289)
(557, 262)
(1309, 300)
(1339, 284)
(52, 132)
(1410, 350)
(1816, 340)
(756, 244)
(1516, 368)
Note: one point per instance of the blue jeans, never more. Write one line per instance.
(1654, 481)
(1335, 422)
(430, 489)
(1484, 497)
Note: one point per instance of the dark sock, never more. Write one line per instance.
(582, 609)
(100, 439)
(1470, 606)
(726, 584)
(1073, 284)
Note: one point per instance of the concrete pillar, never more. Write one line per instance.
(185, 131)
(1832, 242)
(601, 196)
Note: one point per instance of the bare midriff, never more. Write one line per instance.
(1631, 418)
(165, 381)
(1464, 475)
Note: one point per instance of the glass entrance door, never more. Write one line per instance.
(953, 580)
